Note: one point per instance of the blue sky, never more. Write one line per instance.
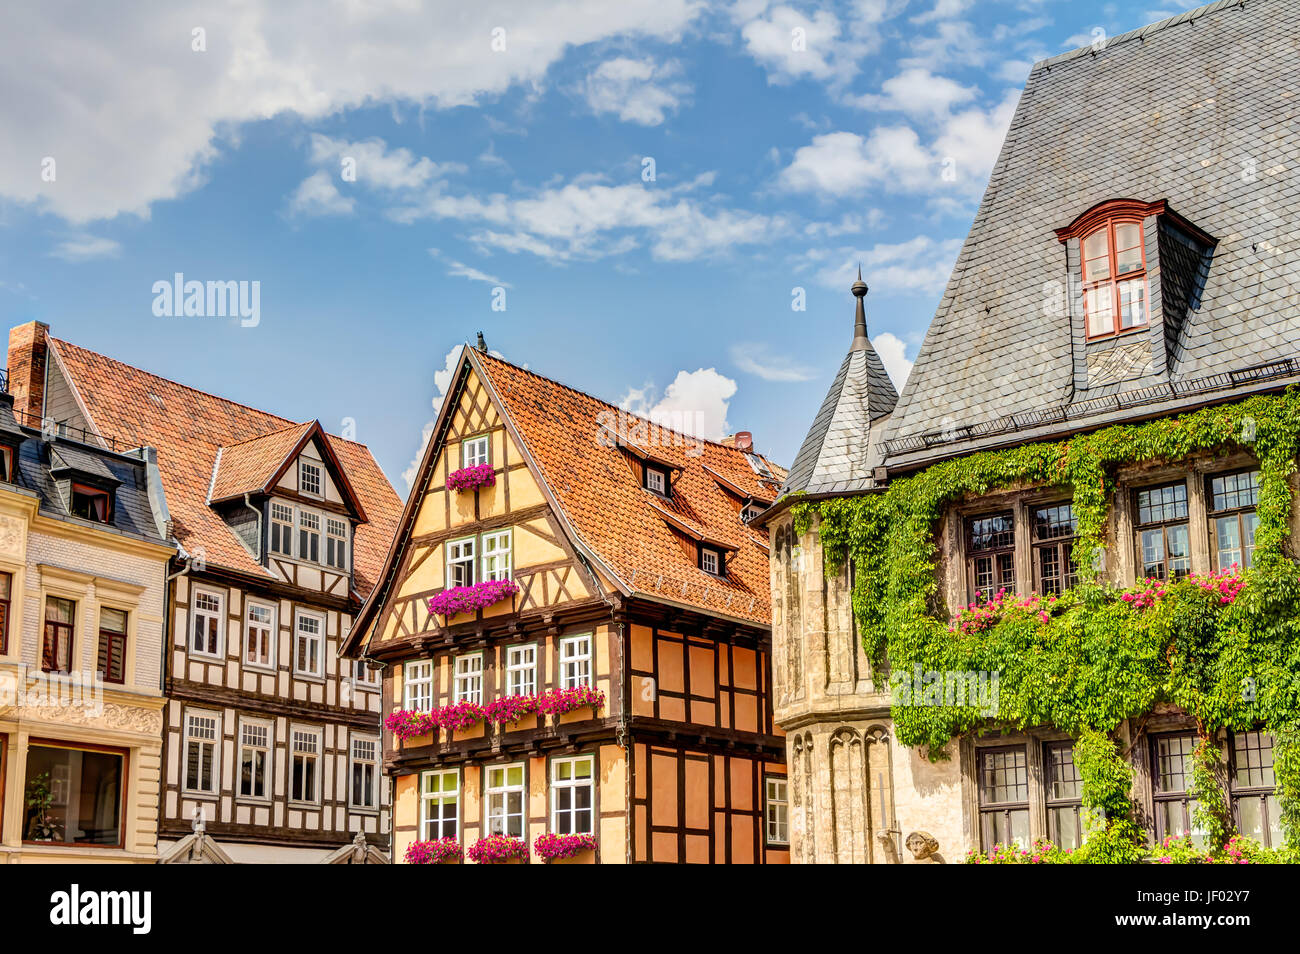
(503, 153)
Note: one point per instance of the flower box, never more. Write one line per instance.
(560, 848)
(559, 701)
(466, 599)
(498, 850)
(407, 724)
(443, 851)
(509, 710)
(471, 478)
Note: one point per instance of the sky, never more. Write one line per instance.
(660, 202)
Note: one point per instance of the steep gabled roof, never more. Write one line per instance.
(1198, 111)
(189, 427)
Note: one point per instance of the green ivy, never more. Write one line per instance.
(1096, 660)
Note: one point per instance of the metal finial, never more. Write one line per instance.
(859, 290)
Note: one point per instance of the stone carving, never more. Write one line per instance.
(1122, 363)
(11, 535)
(114, 716)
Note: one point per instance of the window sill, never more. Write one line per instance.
(256, 801)
(1112, 336)
(211, 796)
(305, 806)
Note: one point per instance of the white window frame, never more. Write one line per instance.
(572, 785)
(475, 451)
(272, 635)
(363, 675)
(315, 754)
(303, 465)
(467, 684)
(287, 522)
(503, 790)
(304, 526)
(776, 795)
(708, 556)
(214, 743)
(496, 550)
(521, 670)
(656, 481)
(354, 760)
(266, 747)
(575, 661)
(340, 541)
(219, 614)
(423, 681)
(457, 555)
(298, 616)
(441, 799)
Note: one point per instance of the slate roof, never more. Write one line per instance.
(841, 447)
(1199, 110)
(188, 427)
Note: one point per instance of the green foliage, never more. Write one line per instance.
(1096, 657)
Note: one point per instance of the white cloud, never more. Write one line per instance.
(695, 403)
(81, 247)
(637, 91)
(943, 10)
(918, 93)
(460, 270)
(921, 265)
(892, 351)
(442, 379)
(376, 165)
(132, 114)
(792, 45)
(317, 195)
(758, 359)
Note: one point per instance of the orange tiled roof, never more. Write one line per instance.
(249, 466)
(599, 493)
(188, 427)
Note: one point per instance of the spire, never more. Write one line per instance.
(860, 342)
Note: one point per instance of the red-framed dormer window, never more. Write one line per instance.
(1114, 277)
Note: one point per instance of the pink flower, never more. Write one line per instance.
(470, 478)
(467, 599)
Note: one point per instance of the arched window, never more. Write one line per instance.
(1114, 277)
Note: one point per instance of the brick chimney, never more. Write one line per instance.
(29, 348)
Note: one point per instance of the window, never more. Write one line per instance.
(656, 480)
(1114, 279)
(1054, 530)
(205, 625)
(336, 543)
(254, 759)
(1163, 543)
(6, 463)
(201, 751)
(259, 635)
(281, 529)
(1064, 795)
(440, 804)
(308, 536)
(1003, 796)
(778, 812)
(521, 670)
(365, 773)
(469, 678)
(418, 685)
(86, 795)
(363, 675)
(1254, 788)
(56, 654)
(309, 638)
(90, 503)
(711, 561)
(505, 799)
(309, 478)
(990, 555)
(1172, 755)
(749, 512)
(111, 661)
(573, 790)
(1233, 519)
(460, 562)
(575, 662)
(474, 451)
(496, 555)
(306, 765)
(6, 593)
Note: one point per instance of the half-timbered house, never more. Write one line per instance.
(1132, 260)
(624, 577)
(271, 742)
(84, 559)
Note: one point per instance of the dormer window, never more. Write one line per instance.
(309, 478)
(1114, 277)
(91, 503)
(6, 463)
(474, 451)
(656, 480)
(749, 512)
(711, 561)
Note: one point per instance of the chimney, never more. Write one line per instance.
(28, 350)
(743, 441)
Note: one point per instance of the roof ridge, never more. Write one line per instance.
(1187, 16)
(262, 437)
(280, 417)
(615, 407)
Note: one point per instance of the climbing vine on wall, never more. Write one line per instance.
(1226, 649)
